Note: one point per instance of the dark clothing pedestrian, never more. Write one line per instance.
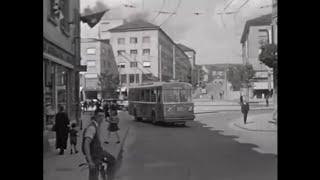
(212, 98)
(62, 130)
(106, 110)
(241, 99)
(73, 140)
(267, 100)
(73, 136)
(245, 109)
(85, 106)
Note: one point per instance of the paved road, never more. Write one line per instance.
(192, 153)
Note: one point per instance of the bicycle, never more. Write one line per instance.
(102, 168)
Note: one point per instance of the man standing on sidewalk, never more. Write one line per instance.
(92, 149)
(245, 110)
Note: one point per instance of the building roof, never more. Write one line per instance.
(137, 25)
(264, 20)
(185, 48)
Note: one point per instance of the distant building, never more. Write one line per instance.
(144, 52)
(191, 53)
(256, 32)
(98, 56)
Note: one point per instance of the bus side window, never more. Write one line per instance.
(153, 95)
(159, 95)
(142, 95)
(147, 95)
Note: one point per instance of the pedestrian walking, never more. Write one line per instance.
(114, 106)
(113, 126)
(241, 99)
(62, 129)
(92, 149)
(267, 99)
(212, 98)
(85, 106)
(106, 110)
(245, 109)
(73, 138)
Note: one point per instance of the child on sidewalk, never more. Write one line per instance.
(73, 138)
(113, 126)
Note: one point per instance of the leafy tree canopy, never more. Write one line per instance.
(268, 55)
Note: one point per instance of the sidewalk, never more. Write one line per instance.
(213, 108)
(261, 123)
(65, 167)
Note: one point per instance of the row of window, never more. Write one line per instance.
(134, 78)
(134, 40)
(134, 64)
(145, 95)
(134, 52)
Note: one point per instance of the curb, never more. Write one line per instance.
(217, 111)
(122, 143)
(253, 130)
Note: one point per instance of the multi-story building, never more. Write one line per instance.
(256, 32)
(144, 52)
(191, 53)
(61, 59)
(100, 79)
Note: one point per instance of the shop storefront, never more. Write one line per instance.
(58, 83)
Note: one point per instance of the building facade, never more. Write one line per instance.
(257, 32)
(100, 79)
(191, 53)
(144, 53)
(61, 58)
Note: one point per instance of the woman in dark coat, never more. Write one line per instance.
(62, 129)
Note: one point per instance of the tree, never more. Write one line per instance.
(268, 55)
(108, 83)
(238, 75)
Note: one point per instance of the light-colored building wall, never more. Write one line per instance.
(183, 66)
(256, 34)
(139, 58)
(102, 61)
(169, 63)
(159, 42)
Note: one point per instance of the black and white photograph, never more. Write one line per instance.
(160, 90)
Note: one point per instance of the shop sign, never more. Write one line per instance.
(57, 52)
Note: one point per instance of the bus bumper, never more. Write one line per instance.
(179, 119)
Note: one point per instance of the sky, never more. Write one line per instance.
(214, 37)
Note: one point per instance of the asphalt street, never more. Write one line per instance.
(194, 152)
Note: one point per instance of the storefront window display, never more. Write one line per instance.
(61, 86)
(49, 95)
(55, 89)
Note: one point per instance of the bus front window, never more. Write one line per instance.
(185, 95)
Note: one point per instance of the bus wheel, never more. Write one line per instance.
(136, 118)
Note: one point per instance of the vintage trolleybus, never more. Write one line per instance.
(162, 102)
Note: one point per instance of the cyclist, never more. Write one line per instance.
(92, 149)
